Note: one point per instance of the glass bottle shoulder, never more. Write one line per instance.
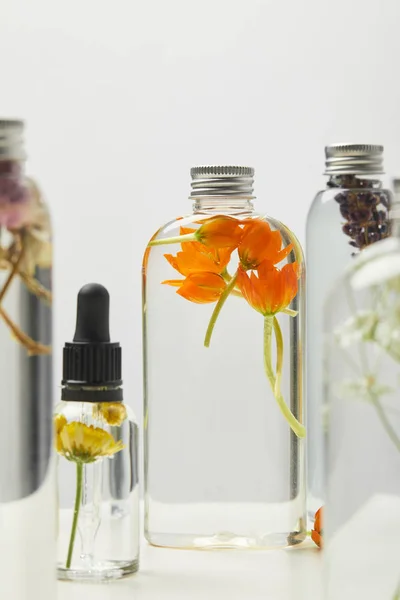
(362, 196)
(204, 226)
(96, 414)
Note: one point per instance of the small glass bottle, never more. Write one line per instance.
(27, 484)
(97, 446)
(362, 327)
(223, 320)
(349, 215)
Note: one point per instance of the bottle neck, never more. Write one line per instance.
(92, 393)
(350, 181)
(12, 168)
(235, 205)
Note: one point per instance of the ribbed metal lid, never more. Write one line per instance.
(11, 139)
(353, 159)
(222, 180)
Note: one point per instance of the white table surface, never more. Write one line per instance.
(293, 573)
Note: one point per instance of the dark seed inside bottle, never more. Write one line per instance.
(366, 213)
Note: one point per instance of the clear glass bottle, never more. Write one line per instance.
(27, 485)
(362, 326)
(224, 456)
(97, 446)
(344, 219)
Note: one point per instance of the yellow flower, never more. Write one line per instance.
(59, 423)
(84, 444)
(114, 413)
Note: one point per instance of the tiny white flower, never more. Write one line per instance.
(364, 388)
(357, 329)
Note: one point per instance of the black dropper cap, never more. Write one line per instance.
(91, 360)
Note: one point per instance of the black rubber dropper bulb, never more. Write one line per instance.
(91, 363)
(93, 314)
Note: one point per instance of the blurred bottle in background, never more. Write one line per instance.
(362, 388)
(349, 215)
(27, 487)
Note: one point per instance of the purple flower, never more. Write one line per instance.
(15, 203)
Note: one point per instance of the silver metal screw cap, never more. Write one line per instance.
(222, 181)
(353, 159)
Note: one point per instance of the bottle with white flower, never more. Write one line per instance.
(362, 408)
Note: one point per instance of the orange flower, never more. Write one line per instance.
(259, 243)
(273, 289)
(220, 232)
(195, 257)
(317, 532)
(215, 232)
(200, 287)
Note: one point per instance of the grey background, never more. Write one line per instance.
(123, 98)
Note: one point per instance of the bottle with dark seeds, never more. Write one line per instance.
(350, 214)
(362, 389)
(365, 213)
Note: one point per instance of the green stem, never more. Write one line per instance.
(226, 275)
(188, 237)
(78, 498)
(295, 425)
(279, 356)
(385, 421)
(228, 290)
(290, 312)
(228, 279)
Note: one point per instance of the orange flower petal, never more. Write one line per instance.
(283, 254)
(318, 519)
(273, 289)
(202, 288)
(190, 261)
(255, 240)
(173, 282)
(296, 268)
(316, 533)
(317, 538)
(186, 230)
(259, 243)
(195, 257)
(172, 261)
(220, 232)
(250, 289)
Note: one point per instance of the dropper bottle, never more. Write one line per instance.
(97, 446)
